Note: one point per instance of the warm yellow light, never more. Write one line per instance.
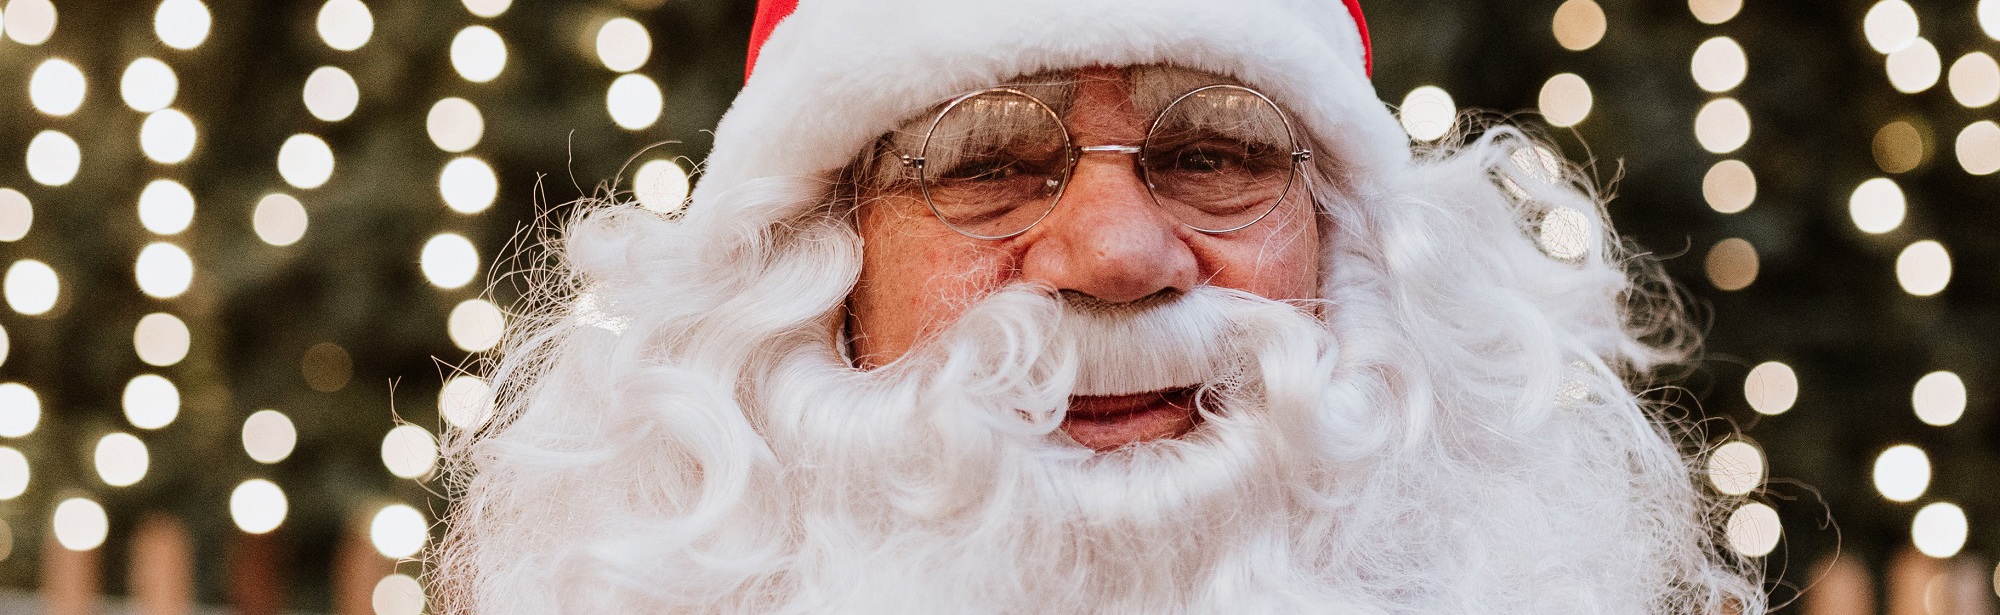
(258, 506)
(331, 94)
(463, 402)
(397, 594)
(1975, 80)
(56, 88)
(1565, 100)
(31, 22)
(1736, 468)
(449, 260)
(151, 401)
(268, 436)
(398, 531)
(1564, 234)
(468, 185)
(161, 339)
(305, 161)
(623, 44)
(1732, 264)
(1939, 530)
(14, 474)
(1719, 64)
(1989, 20)
(1428, 113)
(166, 207)
(661, 185)
(1771, 388)
(1898, 147)
(53, 158)
(487, 8)
(167, 136)
(1924, 268)
(1579, 24)
(1714, 12)
(80, 524)
(1754, 529)
(182, 24)
(148, 85)
(121, 459)
(20, 410)
(1902, 473)
(1722, 126)
(454, 124)
(164, 270)
(475, 325)
(478, 54)
(1891, 25)
(31, 287)
(1939, 398)
(1729, 187)
(1877, 206)
(1978, 148)
(17, 214)
(409, 451)
(1915, 68)
(634, 101)
(280, 220)
(345, 25)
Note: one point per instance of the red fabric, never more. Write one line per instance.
(770, 12)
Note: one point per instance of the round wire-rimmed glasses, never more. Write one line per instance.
(1217, 158)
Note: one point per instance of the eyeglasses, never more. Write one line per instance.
(995, 162)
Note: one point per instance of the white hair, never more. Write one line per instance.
(1458, 434)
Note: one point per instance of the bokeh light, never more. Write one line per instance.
(409, 451)
(1565, 100)
(1729, 187)
(468, 185)
(634, 101)
(1975, 80)
(161, 339)
(1428, 113)
(463, 402)
(478, 54)
(1722, 126)
(258, 506)
(121, 459)
(164, 270)
(487, 8)
(1939, 530)
(1754, 529)
(1939, 398)
(1891, 26)
(53, 158)
(661, 186)
(1714, 12)
(1736, 467)
(475, 325)
(1924, 268)
(167, 136)
(1771, 388)
(1978, 148)
(1731, 264)
(1915, 68)
(279, 220)
(269, 436)
(454, 124)
(182, 24)
(151, 401)
(17, 214)
(57, 87)
(80, 524)
(1902, 473)
(31, 287)
(166, 207)
(1719, 64)
(397, 594)
(623, 44)
(148, 85)
(1989, 18)
(20, 410)
(31, 22)
(449, 260)
(305, 161)
(1564, 234)
(345, 25)
(331, 94)
(14, 473)
(398, 531)
(1877, 206)
(1899, 147)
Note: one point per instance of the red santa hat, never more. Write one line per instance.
(826, 77)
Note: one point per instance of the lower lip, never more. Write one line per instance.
(1107, 423)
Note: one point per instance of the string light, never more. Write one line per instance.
(1975, 80)
(398, 531)
(151, 401)
(487, 8)
(623, 44)
(1771, 388)
(449, 260)
(1713, 12)
(1978, 148)
(279, 220)
(634, 101)
(1876, 206)
(1428, 113)
(31, 287)
(14, 474)
(1722, 126)
(1902, 472)
(1939, 530)
(1989, 20)
(1939, 398)
(463, 402)
(121, 459)
(1924, 268)
(1564, 234)
(1898, 147)
(166, 207)
(661, 185)
(1719, 64)
(20, 410)
(268, 436)
(1731, 264)
(31, 22)
(468, 185)
(1754, 529)
(305, 161)
(409, 451)
(1565, 100)
(478, 54)
(1915, 67)
(161, 339)
(331, 94)
(258, 506)
(182, 24)
(164, 270)
(345, 25)
(1729, 187)
(148, 85)
(56, 88)
(475, 325)
(454, 125)
(167, 136)
(397, 594)
(1579, 24)
(1890, 26)
(80, 524)
(1736, 467)
(53, 158)
(17, 214)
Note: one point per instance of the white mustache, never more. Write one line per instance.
(1158, 343)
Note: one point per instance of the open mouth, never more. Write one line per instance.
(1106, 422)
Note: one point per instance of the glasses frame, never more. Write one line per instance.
(1074, 154)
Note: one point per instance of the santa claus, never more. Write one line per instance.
(1087, 306)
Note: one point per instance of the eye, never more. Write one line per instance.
(1205, 160)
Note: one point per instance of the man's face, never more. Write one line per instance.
(1107, 244)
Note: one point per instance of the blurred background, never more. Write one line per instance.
(248, 244)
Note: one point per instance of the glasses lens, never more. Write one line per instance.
(994, 163)
(1220, 158)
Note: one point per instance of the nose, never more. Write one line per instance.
(1107, 239)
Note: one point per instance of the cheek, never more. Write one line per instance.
(916, 277)
(1278, 261)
